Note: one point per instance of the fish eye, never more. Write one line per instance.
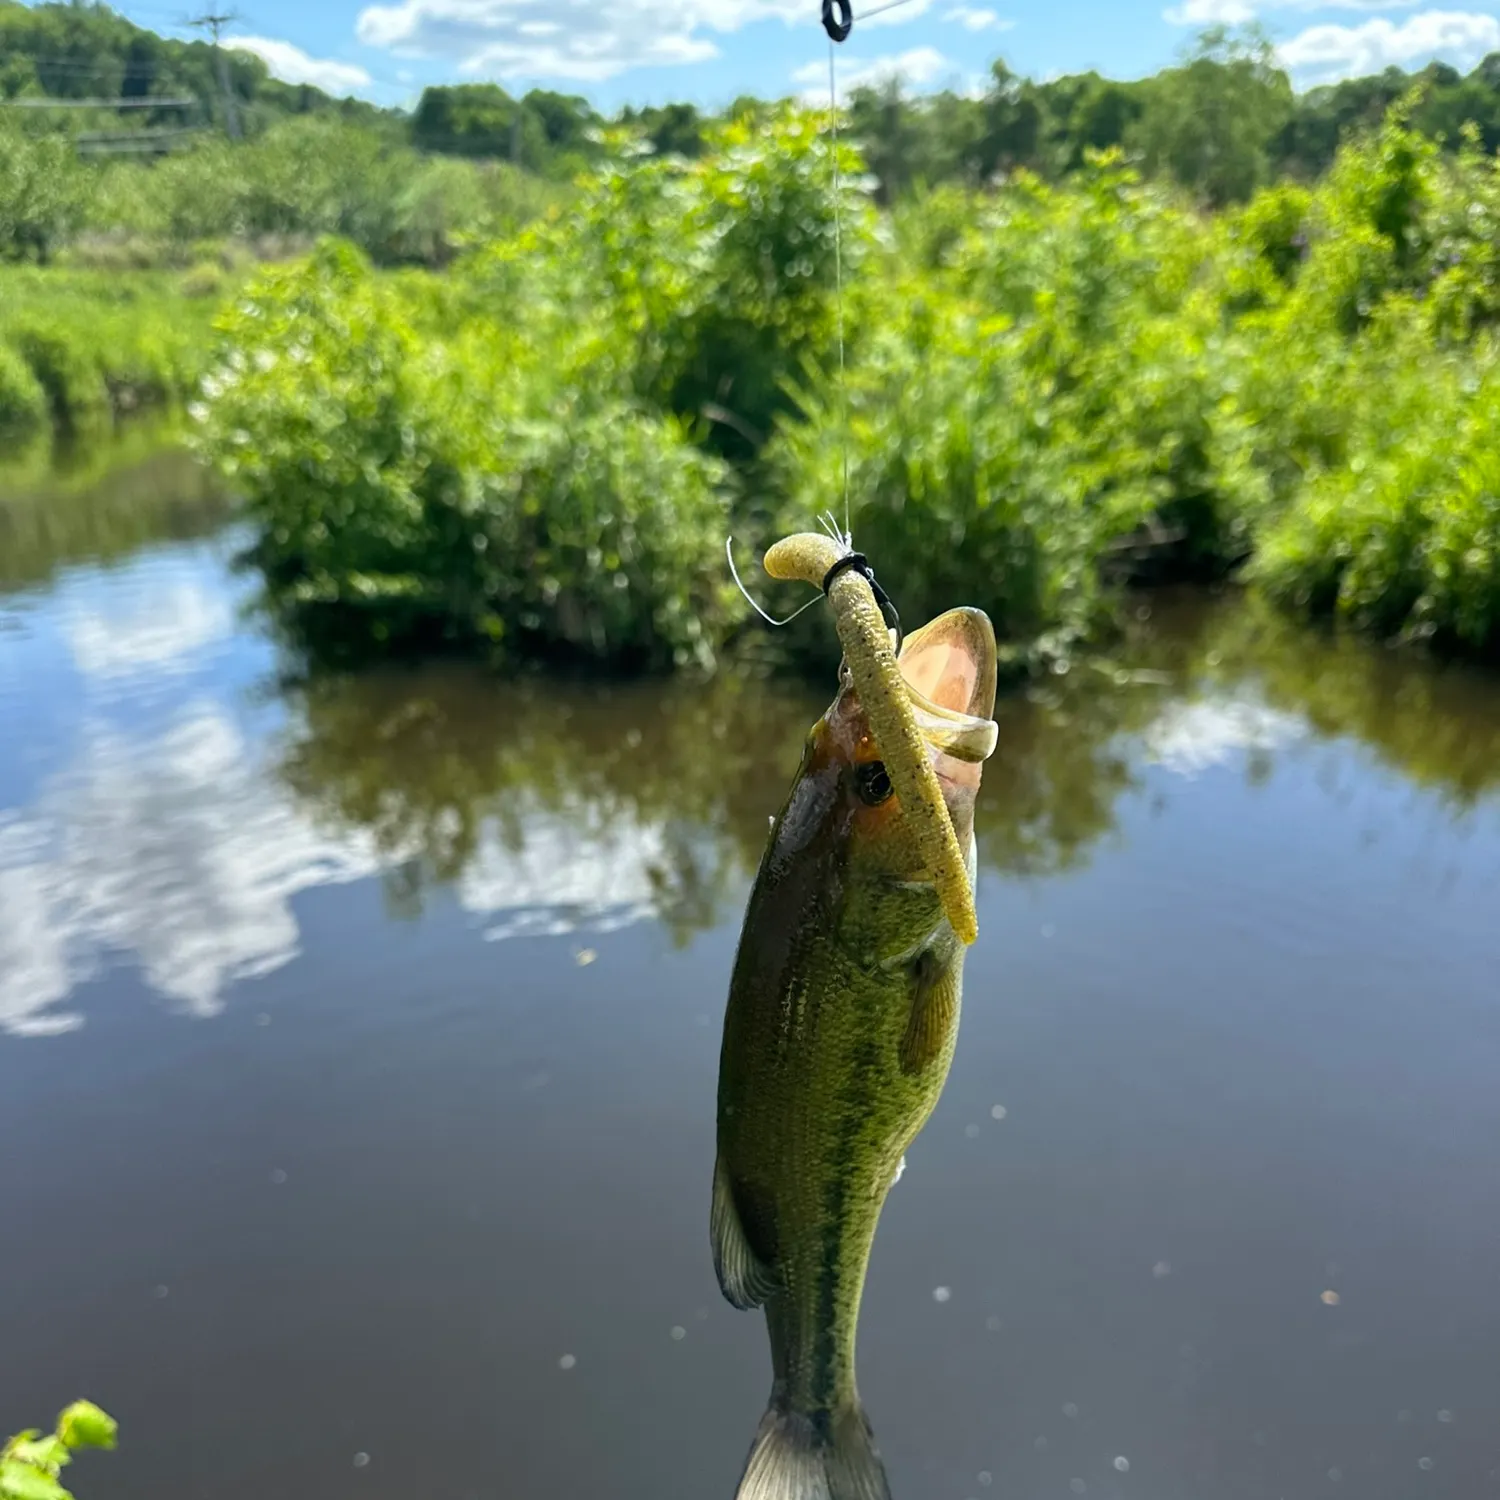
(871, 782)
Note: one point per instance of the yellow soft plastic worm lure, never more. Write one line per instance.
(809, 557)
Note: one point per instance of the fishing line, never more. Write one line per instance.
(865, 15)
(838, 21)
(769, 619)
(838, 235)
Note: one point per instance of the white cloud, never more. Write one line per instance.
(977, 19)
(1324, 53)
(921, 67)
(1237, 12)
(586, 40)
(1210, 13)
(292, 65)
(1190, 738)
(583, 40)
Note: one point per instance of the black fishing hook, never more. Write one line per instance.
(861, 564)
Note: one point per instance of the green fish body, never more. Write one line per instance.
(840, 1027)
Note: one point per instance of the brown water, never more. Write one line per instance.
(358, 1043)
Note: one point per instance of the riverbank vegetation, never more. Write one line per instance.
(1051, 387)
(78, 347)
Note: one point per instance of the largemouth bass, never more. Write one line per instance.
(840, 1027)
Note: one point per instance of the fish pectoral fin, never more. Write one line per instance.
(744, 1278)
(934, 1013)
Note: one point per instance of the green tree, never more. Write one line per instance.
(42, 192)
(1211, 121)
(1014, 121)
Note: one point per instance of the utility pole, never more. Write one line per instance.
(213, 22)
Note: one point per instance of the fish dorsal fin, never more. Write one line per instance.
(744, 1278)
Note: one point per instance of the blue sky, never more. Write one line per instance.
(650, 51)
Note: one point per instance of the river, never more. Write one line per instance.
(359, 1035)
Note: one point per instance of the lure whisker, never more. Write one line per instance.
(840, 535)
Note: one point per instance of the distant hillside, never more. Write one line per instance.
(81, 51)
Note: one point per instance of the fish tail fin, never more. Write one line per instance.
(797, 1456)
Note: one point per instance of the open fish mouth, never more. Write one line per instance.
(949, 668)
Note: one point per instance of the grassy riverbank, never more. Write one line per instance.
(79, 347)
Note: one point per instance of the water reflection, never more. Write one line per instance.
(1201, 681)
(162, 846)
(557, 804)
(180, 837)
(99, 501)
(443, 763)
(1435, 723)
(546, 809)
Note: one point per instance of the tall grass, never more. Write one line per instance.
(83, 346)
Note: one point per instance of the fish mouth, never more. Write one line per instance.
(949, 667)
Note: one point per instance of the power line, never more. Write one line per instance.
(105, 69)
(214, 22)
(135, 101)
(155, 142)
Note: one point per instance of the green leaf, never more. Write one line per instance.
(21, 1482)
(84, 1425)
(48, 1453)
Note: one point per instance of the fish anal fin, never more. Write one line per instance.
(933, 1026)
(796, 1457)
(744, 1278)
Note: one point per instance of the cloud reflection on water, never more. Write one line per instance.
(182, 852)
(173, 833)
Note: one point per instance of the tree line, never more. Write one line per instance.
(1221, 121)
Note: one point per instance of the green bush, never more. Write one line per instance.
(416, 491)
(1404, 537)
(704, 286)
(42, 192)
(1059, 387)
(1048, 390)
(63, 366)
